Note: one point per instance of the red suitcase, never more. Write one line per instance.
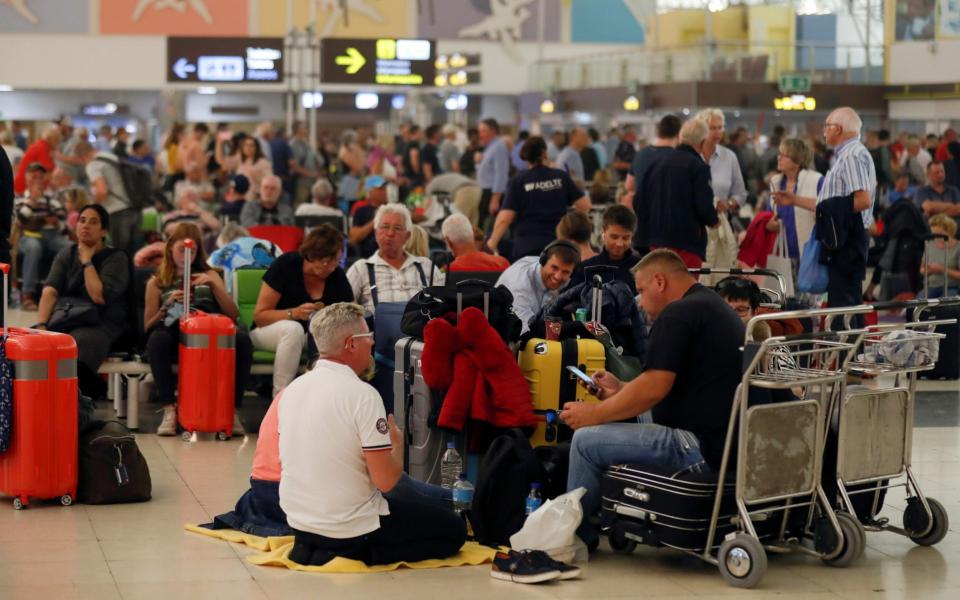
(42, 459)
(207, 364)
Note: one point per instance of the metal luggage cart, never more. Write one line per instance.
(779, 453)
(875, 426)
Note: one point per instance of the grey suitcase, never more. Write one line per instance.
(416, 407)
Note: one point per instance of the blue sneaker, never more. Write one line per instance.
(522, 567)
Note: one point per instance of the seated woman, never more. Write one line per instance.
(95, 279)
(576, 227)
(294, 287)
(163, 307)
(619, 223)
(936, 269)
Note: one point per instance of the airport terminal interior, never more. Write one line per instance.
(735, 219)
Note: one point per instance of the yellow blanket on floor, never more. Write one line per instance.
(275, 551)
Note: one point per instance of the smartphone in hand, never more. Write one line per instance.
(585, 379)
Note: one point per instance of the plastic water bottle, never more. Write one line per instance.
(462, 494)
(16, 298)
(451, 465)
(533, 500)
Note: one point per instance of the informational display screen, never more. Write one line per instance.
(224, 60)
(385, 61)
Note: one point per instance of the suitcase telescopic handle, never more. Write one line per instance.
(188, 248)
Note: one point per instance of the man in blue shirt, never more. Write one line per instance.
(493, 170)
(937, 196)
(668, 131)
(534, 281)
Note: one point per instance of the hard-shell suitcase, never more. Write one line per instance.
(416, 407)
(41, 461)
(658, 508)
(544, 363)
(205, 401)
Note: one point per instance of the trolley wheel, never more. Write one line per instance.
(18, 504)
(186, 436)
(742, 561)
(619, 541)
(941, 522)
(853, 541)
(66, 499)
(222, 436)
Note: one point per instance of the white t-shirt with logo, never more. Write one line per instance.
(328, 418)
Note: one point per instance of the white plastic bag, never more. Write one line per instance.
(552, 527)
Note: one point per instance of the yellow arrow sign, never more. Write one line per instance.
(353, 60)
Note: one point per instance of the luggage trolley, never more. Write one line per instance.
(775, 501)
(875, 426)
(774, 298)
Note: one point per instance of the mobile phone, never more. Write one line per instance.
(581, 375)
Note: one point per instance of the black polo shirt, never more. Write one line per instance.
(540, 196)
(698, 338)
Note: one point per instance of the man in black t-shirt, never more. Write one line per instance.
(430, 156)
(412, 160)
(692, 373)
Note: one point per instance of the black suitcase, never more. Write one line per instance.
(948, 364)
(658, 508)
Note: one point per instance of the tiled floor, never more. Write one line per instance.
(141, 551)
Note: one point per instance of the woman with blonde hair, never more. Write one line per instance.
(794, 191)
(163, 307)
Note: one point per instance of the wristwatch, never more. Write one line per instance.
(289, 314)
(86, 264)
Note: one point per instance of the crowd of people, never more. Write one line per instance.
(524, 208)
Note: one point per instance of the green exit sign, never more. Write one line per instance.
(793, 84)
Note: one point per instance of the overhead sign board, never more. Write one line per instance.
(384, 61)
(224, 60)
(794, 84)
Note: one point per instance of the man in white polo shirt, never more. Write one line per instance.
(340, 454)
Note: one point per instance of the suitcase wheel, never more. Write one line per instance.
(66, 499)
(742, 561)
(619, 542)
(19, 504)
(186, 436)
(222, 436)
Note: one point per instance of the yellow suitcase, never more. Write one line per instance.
(551, 385)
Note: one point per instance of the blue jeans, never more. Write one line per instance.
(33, 249)
(411, 490)
(595, 449)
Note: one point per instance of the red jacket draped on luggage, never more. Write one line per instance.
(480, 374)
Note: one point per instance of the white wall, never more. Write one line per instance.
(925, 110)
(924, 62)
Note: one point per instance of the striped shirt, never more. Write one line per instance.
(852, 171)
(393, 285)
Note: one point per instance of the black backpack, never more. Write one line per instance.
(503, 483)
(137, 181)
(112, 469)
(442, 302)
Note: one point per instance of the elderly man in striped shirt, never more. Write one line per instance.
(852, 173)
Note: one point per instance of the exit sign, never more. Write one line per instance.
(794, 84)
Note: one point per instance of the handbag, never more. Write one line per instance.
(812, 277)
(73, 312)
(779, 260)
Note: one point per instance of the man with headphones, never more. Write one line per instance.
(535, 281)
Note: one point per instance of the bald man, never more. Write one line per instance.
(688, 386)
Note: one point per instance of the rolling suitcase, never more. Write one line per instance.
(41, 461)
(544, 363)
(658, 508)
(416, 407)
(207, 363)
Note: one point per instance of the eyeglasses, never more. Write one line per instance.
(395, 228)
(368, 334)
(742, 310)
(828, 124)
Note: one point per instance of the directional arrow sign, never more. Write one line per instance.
(353, 60)
(183, 67)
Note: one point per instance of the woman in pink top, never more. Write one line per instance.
(258, 509)
(246, 159)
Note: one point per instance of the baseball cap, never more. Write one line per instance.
(240, 184)
(373, 181)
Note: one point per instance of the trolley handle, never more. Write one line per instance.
(746, 273)
(188, 247)
(5, 267)
(806, 314)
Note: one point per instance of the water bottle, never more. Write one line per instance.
(533, 500)
(16, 298)
(450, 466)
(462, 494)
